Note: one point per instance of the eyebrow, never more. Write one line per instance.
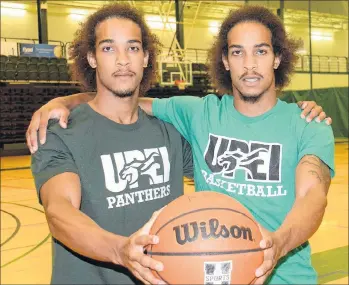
(111, 41)
(256, 46)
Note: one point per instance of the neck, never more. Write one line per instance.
(249, 109)
(119, 110)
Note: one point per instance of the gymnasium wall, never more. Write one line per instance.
(61, 27)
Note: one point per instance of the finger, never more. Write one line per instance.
(313, 113)
(63, 120)
(32, 131)
(266, 266)
(308, 107)
(300, 103)
(29, 144)
(146, 274)
(148, 262)
(329, 121)
(145, 240)
(321, 117)
(266, 242)
(261, 279)
(139, 277)
(43, 126)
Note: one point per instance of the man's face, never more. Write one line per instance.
(119, 57)
(251, 60)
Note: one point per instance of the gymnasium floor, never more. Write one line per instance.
(26, 244)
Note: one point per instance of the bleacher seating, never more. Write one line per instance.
(21, 68)
(19, 101)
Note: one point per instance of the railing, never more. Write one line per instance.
(323, 64)
(320, 64)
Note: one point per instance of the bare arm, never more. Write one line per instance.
(61, 197)
(75, 100)
(312, 183)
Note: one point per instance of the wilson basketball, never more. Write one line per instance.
(206, 238)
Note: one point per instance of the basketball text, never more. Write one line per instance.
(213, 230)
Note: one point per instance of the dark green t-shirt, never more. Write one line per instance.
(126, 171)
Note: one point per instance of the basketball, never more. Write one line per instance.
(206, 238)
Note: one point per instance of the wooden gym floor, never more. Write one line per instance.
(26, 243)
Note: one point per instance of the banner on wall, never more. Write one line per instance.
(40, 50)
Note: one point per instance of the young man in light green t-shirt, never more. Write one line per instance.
(254, 147)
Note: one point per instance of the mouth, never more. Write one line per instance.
(123, 74)
(251, 81)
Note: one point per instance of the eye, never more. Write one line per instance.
(261, 52)
(134, 48)
(236, 52)
(107, 48)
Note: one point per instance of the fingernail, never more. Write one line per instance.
(302, 116)
(162, 282)
(308, 120)
(35, 148)
(159, 267)
(259, 272)
(317, 120)
(42, 141)
(304, 105)
(155, 239)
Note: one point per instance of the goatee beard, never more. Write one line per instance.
(250, 99)
(123, 93)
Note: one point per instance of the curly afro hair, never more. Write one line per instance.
(283, 46)
(85, 42)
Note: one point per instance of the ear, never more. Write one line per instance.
(277, 61)
(225, 62)
(91, 59)
(146, 59)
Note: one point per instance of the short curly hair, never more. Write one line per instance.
(283, 45)
(85, 42)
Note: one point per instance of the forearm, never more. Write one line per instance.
(146, 105)
(73, 101)
(303, 220)
(80, 233)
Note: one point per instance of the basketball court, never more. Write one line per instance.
(26, 242)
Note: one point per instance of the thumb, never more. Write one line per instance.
(64, 119)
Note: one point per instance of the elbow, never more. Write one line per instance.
(52, 221)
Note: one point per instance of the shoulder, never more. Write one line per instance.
(77, 117)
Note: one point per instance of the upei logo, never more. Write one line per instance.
(127, 168)
(261, 161)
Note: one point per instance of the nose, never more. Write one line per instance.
(250, 62)
(122, 58)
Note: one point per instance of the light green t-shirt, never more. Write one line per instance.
(252, 159)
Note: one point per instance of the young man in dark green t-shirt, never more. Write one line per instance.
(101, 179)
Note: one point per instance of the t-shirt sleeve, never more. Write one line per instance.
(51, 159)
(178, 111)
(317, 139)
(187, 159)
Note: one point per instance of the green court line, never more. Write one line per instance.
(28, 252)
(331, 264)
(35, 247)
(18, 225)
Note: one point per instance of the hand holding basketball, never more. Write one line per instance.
(272, 246)
(133, 257)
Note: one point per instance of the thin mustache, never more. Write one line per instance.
(123, 72)
(254, 73)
